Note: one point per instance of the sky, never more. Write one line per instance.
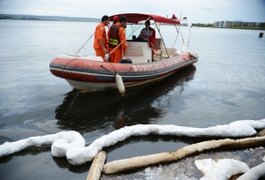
(198, 11)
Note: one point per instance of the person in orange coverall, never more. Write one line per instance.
(117, 40)
(100, 38)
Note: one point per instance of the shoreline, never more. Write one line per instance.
(89, 19)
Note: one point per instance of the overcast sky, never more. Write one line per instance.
(205, 11)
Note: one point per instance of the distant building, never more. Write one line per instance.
(239, 24)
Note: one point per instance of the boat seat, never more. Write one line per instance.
(138, 52)
(164, 52)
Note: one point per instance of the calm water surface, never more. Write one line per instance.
(226, 84)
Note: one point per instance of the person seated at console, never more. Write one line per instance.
(147, 34)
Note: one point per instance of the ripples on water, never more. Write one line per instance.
(227, 84)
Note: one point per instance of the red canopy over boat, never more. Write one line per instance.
(136, 17)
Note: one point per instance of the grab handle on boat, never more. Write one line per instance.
(120, 84)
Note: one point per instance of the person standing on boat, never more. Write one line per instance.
(148, 34)
(100, 38)
(115, 20)
(113, 26)
(117, 40)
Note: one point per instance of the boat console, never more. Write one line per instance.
(138, 51)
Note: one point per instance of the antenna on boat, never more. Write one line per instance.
(186, 44)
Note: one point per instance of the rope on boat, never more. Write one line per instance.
(84, 43)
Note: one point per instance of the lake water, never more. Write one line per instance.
(226, 84)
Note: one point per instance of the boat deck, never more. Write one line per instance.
(139, 52)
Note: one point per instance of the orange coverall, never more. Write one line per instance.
(100, 38)
(117, 52)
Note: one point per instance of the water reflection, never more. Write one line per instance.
(86, 112)
(64, 164)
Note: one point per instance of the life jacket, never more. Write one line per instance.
(114, 38)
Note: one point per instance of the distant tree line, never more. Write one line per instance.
(202, 25)
(47, 18)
